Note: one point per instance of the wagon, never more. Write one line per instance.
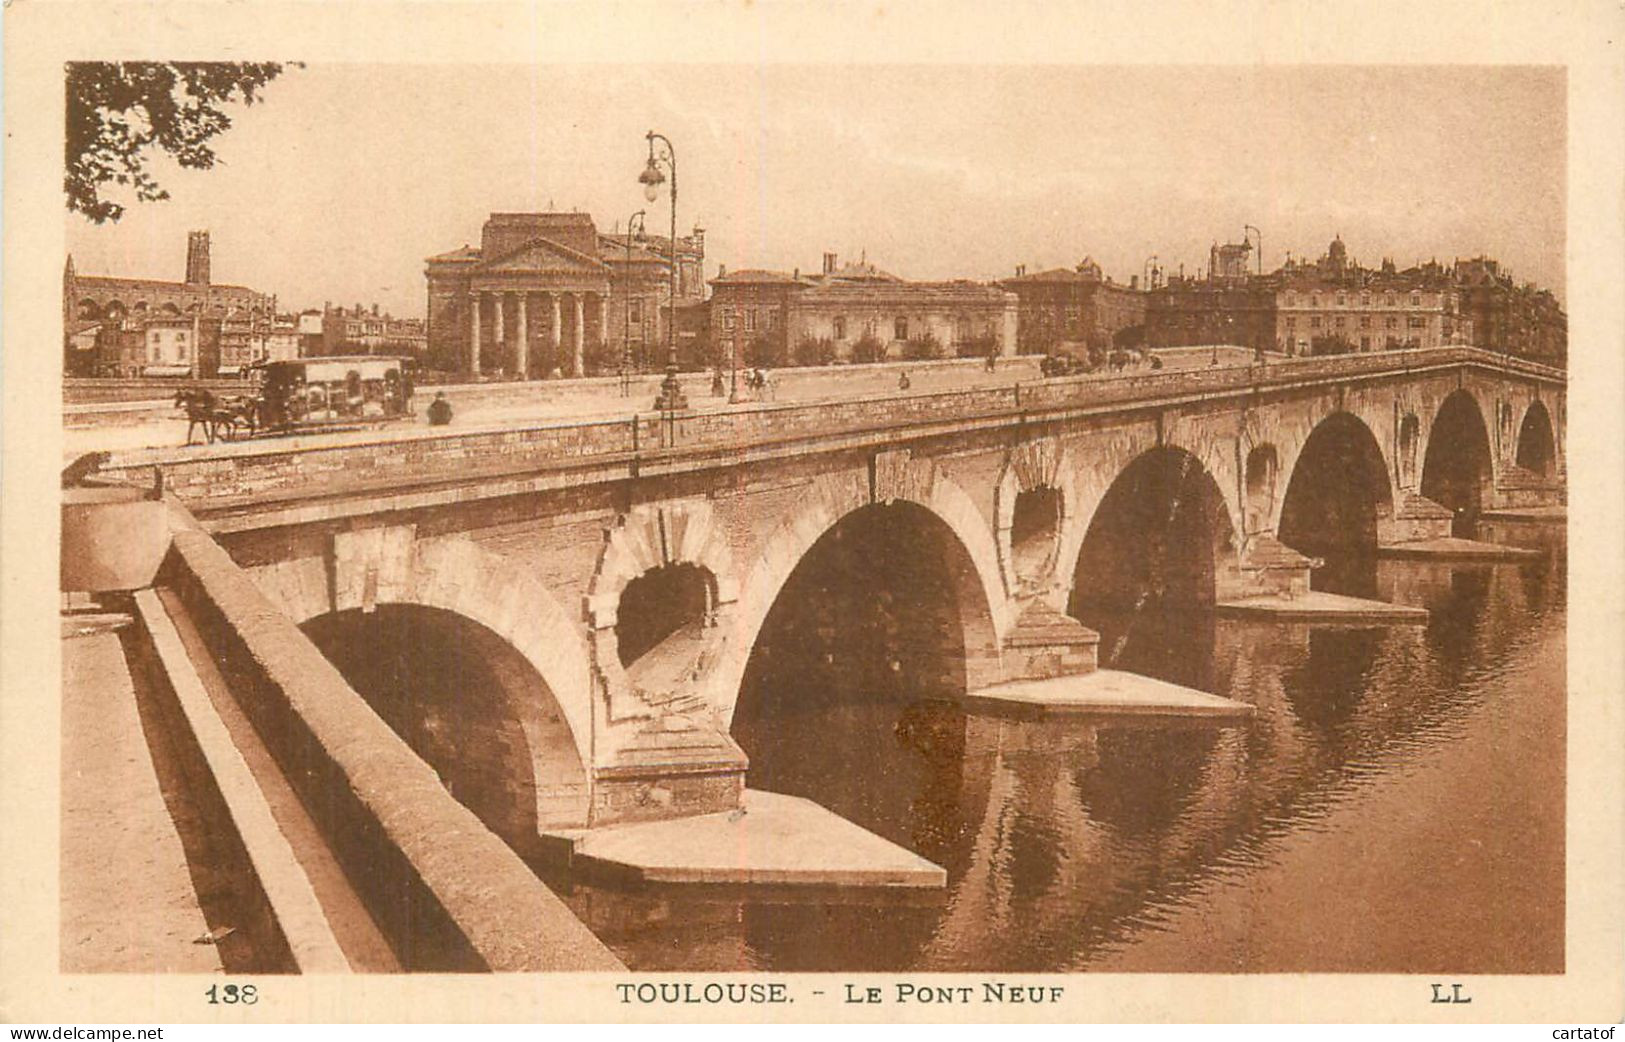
(318, 392)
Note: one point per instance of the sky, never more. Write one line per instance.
(340, 183)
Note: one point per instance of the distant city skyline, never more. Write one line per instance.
(340, 184)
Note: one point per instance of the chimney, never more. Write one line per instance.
(197, 258)
(829, 263)
(375, 309)
(722, 269)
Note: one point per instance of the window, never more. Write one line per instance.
(1291, 323)
(1416, 299)
(900, 328)
(1365, 321)
(750, 321)
(1314, 322)
(1416, 322)
(1291, 299)
(1365, 300)
(1341, 300)
(1340, 321)
(1390, 300)
(728, 321)
(635, 313)
(840, 327)
(1365, 343)
(1393, 323)
(1314, 300)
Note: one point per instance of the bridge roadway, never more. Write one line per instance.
(548, 560)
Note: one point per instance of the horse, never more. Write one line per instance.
(200, 411)
(237, 411)
(212, 414)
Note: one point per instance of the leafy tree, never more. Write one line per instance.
(811, 350)
(923, 348)
(765, 350)
(117, 111)
(868, 348)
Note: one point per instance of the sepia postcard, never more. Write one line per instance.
(779, 512)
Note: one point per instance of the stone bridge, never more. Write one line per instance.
(565, 620)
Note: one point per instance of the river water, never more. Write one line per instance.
(1395, 805)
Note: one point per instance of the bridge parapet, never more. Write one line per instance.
(259, 473)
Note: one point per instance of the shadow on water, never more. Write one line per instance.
(1065, 840)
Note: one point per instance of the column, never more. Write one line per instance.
(554, 333)
(473, 334)
(501, 341)
(524, 339)
(603, 319)
(579, 339)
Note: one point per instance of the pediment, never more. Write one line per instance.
(543, 256)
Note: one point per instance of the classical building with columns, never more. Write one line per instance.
(546, 294)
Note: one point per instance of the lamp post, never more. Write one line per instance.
(626, 327)
(671, 391)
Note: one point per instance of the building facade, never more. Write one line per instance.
(1075, 306)
(1514, 319)
(545, 294)
(1187, 312)
(232, 321)
(1331, 305)
(1380, 311)
(362, 331)
(855, 313)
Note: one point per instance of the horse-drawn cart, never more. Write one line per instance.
(305, 394)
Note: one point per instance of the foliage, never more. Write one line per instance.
(811, 350)
(923, 348)
(599, 359)
(977, 346)
(1331, 344)
(868, 348)
(1129, 337)
(765, 351)
(116, 111)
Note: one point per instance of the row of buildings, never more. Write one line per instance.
(199, 328)
(1334, 305)
(549, 295)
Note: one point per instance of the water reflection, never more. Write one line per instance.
(1065, 841)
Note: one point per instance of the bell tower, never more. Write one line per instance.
(197, 258)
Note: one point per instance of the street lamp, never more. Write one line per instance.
(671, 391)
(626, 327)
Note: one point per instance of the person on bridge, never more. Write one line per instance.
(903, 381)
(439, 410)
(993, 357)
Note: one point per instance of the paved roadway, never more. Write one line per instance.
(498, 406)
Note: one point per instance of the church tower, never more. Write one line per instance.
(197, 258)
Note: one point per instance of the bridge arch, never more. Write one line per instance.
(1033, 506)
(1458, 465)
(461, 580)
(1163, 533)
(920, 498)
(1537, 445)
(471, 706)
(1338, 498)
(669, 569)
(1261, 474)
